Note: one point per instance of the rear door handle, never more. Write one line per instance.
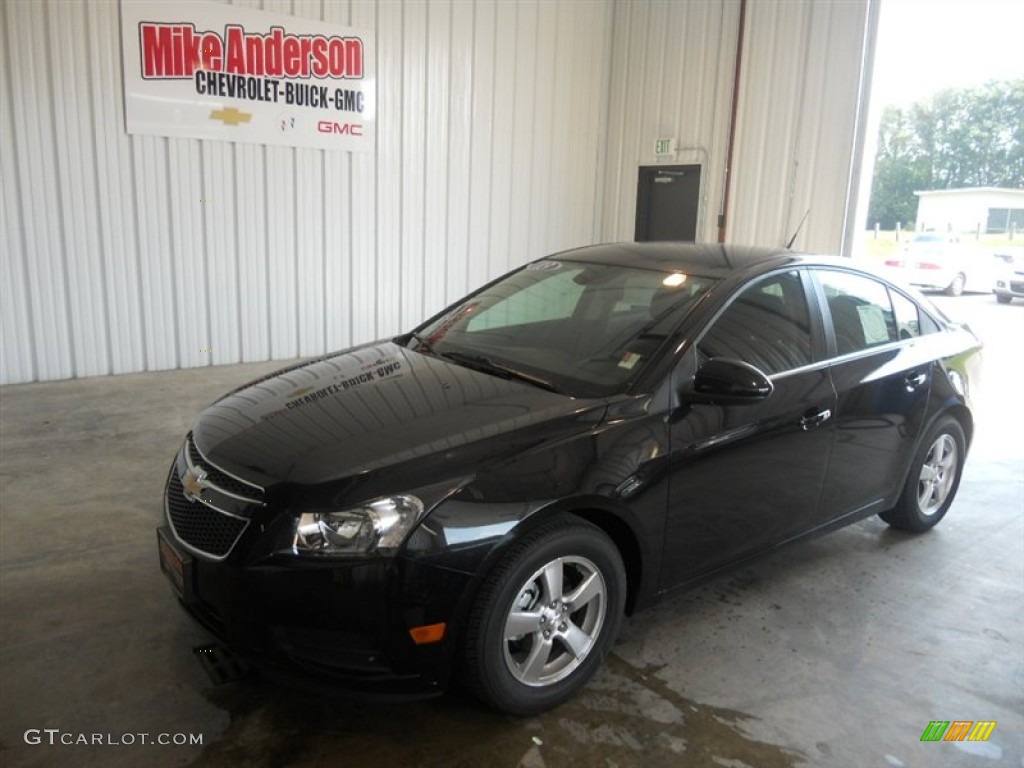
(815, 418)
(915, 380)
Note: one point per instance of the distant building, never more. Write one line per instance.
(992, 209)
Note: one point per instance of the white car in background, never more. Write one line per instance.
(1009, 282)
(939, 261)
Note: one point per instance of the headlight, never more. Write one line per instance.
(377, 525)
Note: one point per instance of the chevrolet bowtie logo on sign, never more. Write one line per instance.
(230, 116)
(958, 730)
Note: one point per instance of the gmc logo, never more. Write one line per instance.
(350, 129)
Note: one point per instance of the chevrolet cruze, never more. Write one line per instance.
(487, 496)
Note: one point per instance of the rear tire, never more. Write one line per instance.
(933, 480)
(957, 286)
(545, 618)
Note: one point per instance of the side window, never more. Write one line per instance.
(554, 298)
(862, 314)
(928, 324)
(768, 326)
(908, 320)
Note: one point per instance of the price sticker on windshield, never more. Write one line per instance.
(629, 360)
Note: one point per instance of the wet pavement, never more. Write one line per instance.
(835, 652)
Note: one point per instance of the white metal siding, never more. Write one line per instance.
(672, 69)
(798, 118)
(489, 131)
(672, 76)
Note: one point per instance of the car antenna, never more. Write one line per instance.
(789, 245)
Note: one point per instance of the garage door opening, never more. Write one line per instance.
(945, 110)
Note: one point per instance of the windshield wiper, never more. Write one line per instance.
(486, 365)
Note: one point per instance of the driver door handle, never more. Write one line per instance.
(815, 418)
(915, 380)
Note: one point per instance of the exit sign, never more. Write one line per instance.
(663, 146)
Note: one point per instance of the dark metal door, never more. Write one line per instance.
(667, 202)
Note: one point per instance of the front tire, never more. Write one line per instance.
(1004, 298)
(545, 618)
(957, 286)
(933, 479)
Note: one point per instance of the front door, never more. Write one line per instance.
(745, 477)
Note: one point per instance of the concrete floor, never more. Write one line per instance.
(836, 652)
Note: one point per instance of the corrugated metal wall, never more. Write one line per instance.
(800, 100)
(672, 76)
(672, 71)
(490, 126)
(507, 129)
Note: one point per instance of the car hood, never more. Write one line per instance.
(378, 406)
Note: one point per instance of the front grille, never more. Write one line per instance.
(1017, 287)
(219, 477)
(204, 529)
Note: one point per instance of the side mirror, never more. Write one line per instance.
(722, 381)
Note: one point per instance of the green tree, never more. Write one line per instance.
(961, 137)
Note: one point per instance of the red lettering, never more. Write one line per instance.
(307, 43)
(319, 57)
(236, 51)
(291, 57)
(336, 52)
(157, 50)
(353, 57)
(178, 51)
(342, 129)
(273, 57)
(213, 51)
(253, 63)
(192, 48)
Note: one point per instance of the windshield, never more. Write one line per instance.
(582, 329)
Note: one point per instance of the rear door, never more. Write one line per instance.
(882, 374)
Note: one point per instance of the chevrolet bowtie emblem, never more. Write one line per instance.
(193, 483)
(230, 116)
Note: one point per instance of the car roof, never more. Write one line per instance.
(709, 259)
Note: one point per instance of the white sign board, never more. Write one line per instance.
(209, 71)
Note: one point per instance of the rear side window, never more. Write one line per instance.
(907, 316)
(862, 312)
(768, 326)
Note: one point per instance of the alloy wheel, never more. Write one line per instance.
(937, 475)
(555, 621)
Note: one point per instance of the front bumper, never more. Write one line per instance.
(335, 626)
(1013, 286)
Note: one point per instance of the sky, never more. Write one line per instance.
(926, 45)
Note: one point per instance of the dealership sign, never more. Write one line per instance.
(208, 71)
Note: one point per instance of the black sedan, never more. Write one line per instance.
(487, 496)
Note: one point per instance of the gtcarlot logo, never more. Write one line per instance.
(55, 736)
